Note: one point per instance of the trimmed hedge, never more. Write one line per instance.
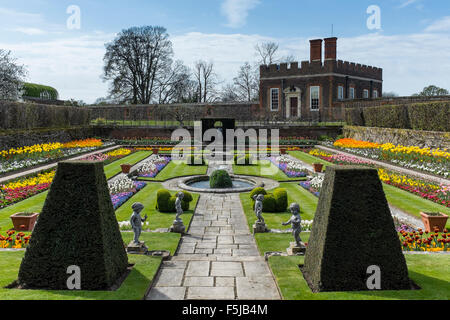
(196, 160)
(220, 179)
(243, 160)
(352, 230)
(165, 202)
(77, 226)
(273, 202)
(16, 115)
(432, 116)
(34, 90)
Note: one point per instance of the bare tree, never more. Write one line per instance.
(228, 93)
(206, 80)
(11, 77)
(134, 60)
(246, 83)
(180, 114)
(174, 84)
(267, 52)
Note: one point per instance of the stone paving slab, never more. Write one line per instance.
(218, 259)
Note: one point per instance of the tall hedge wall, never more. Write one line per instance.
(432, 116)
(16, 115)
(35, 90)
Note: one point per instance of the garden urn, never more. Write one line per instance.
(24, 221)
(434, 221)
(283, 151)
(126, 167)
(155, 150)
(318, 167)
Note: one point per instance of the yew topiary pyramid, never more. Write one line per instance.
(352, 230)
(77, 226)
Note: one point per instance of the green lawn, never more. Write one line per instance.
(147, 196)
(279, 242)
(265, 169)
(133, 288)
(309, 159)
(177, 169)
(114, 168)
(411, 203)
(430, 272)
(35, 203)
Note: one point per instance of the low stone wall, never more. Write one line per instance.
(14, 139)
(406, 137)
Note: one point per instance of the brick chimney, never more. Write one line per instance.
(316, 50)
(331, 48)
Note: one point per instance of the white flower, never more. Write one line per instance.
(123, 184)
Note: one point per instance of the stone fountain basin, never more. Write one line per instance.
(185, 184)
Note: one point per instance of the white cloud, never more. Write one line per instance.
(18, 16)
(408, 3)
(441, 25)
(236, 11)
(30, 31)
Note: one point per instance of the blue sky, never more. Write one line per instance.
(412, 46)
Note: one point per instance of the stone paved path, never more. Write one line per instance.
(217, 259)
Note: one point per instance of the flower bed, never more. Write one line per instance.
(153, 165)
(424, 241)
(339, 159)
(314, 185)
(123, 189)
(291, 167)
(434, 161)
(11, 240)
(29, 156)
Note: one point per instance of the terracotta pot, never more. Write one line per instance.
(318, 167)
(155, 150)
(24, 223)
(126, 168)
(432, 222)
(283, 151)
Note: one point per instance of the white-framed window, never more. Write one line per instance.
(274, 99)
(375, 94)
(351, 93)
(366, 94)
(315, 98)
(340, 92)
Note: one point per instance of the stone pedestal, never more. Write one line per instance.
(260, 227)
(137, 248)
(178, 227)
(295, 250)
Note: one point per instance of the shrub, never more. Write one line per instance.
(352, 203)
(430, 116)
(387, 117)
(162, 201)
(77, 226)
(166, 201)
(243, 160)
(281, 198)
(220, 179)
(258, 190)
(354, 117)
(270, 203)
(36, 90)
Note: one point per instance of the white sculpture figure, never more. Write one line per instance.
(136, 220)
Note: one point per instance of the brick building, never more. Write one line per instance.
(312, 91)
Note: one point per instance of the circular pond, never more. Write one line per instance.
(201, 184)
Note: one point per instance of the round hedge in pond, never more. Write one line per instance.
(220, 179)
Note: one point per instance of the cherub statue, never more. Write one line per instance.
(136, 220)
(296, 222)
(178, 207)
(259, 198)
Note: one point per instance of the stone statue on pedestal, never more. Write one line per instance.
(295, 221)
(178, 225)
(136, 220)
(260, 224)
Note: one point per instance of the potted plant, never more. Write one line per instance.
(434, 220)
(155, 150)
(126, 168)
(24, 221)
(318, 167)
(283, 150)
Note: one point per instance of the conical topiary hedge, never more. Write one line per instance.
(352, 230)
(77, 226)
